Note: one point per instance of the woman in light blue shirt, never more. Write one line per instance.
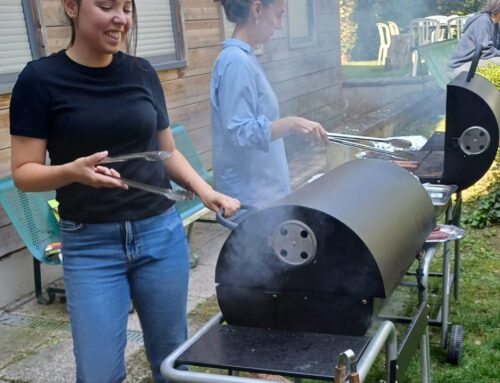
(248, 151)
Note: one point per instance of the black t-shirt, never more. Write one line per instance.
(81, 111)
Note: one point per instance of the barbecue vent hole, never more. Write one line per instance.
(284, 253)
(304, 255)
(467, 147)
(283, 231)
(304, 234)
(481, 147)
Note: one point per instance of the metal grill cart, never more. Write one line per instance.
(300, 283)
(454, 160)
(441, 196)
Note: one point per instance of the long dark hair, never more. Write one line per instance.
(132, 36)
(237, 10)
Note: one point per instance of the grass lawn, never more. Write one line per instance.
(478, 310)
(367, 70)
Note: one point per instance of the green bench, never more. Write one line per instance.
(35, 224)
(436, 56)
(34, 220)
(191, 211)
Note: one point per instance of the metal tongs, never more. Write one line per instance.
(177, 195)
(351, 140)
(158, 155)
(174, 195)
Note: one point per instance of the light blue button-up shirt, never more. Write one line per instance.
(247, 164)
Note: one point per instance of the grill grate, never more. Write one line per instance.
(17, 320)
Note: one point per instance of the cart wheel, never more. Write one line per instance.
(455, 344)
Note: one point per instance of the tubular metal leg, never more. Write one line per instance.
(425, 357)
(445, 294)
(456, 275)
(385, 335)
(37, 277)
(40, 297)
(456, 215)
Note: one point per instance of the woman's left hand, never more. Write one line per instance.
(216, 201)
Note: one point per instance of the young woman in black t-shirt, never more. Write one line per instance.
(80, 105)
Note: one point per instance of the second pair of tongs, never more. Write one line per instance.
(365, 147)
(158, 155)
(174, 195)
(399, 143)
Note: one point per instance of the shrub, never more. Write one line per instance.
(490, 72)
(486, 209)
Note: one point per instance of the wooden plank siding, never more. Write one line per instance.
(307, 81)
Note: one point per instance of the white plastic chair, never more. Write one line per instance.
(423, 31)
(393, 28)
(439, 18)
(442, 31)
(385, 42)
(456, 26)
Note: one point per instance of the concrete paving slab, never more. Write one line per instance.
(209, 254)
(202, 286)
(56, 311)
(18, 342)
(133, 322)
(50, 359)
(138, 368)
(203, 233)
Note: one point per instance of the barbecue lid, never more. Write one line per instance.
(472, 130)
(331, 246)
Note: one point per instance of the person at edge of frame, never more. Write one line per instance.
(481, 28)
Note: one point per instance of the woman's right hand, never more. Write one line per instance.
(294, 124)
(304, 126)
(86, 170)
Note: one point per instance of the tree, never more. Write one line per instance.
(348, 28)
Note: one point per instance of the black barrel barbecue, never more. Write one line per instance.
(299, 282)
(323, 258)
(465, 151)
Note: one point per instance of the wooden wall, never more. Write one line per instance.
(307, 81)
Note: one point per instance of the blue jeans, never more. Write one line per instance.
(107, 264)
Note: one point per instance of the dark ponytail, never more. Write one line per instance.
(237, 10)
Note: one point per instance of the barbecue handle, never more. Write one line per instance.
(475, 61)
(228, 222)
